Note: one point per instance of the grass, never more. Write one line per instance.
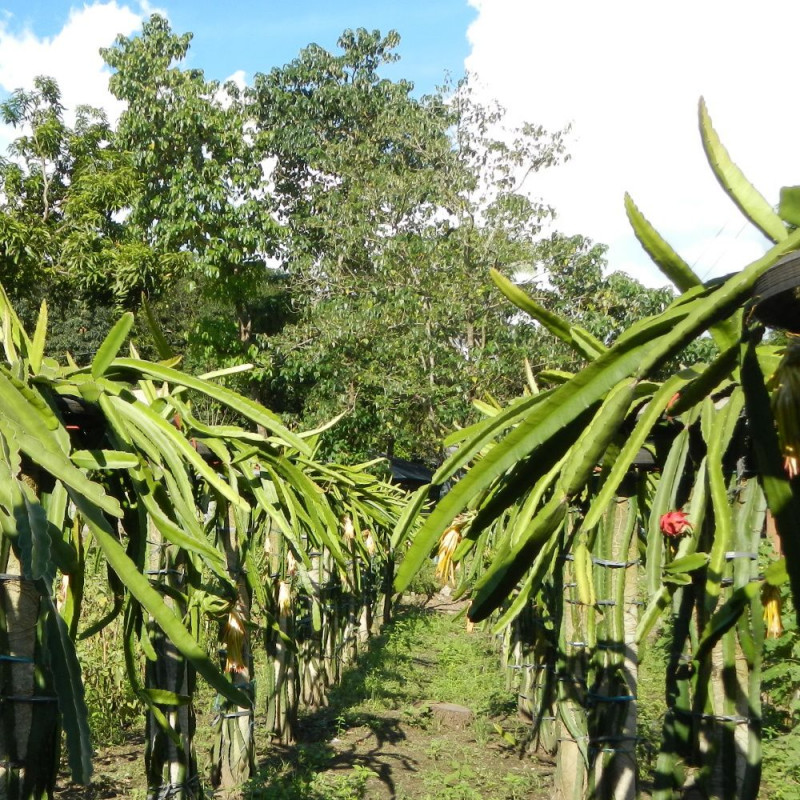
(379, 738)
(421, 656)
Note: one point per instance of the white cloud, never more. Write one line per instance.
(71, 56)
(239, 78)
(628, 75)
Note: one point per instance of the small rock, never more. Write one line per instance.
(452, 715)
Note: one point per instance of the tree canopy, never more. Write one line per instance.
(325, 224)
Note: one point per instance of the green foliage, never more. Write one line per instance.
(781, 678)
(134, 457)
(63, 190)
(311, 780)
(202, 185)
(113, 706)
(383, 210)
(394, 208)
(782, 670)
(543, 478)
(781, 767)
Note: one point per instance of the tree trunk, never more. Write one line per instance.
(29, 719)
(615, 741)
(169, 755)
(234, 748)
(571, 776)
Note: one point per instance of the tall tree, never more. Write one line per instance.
(394, 209)
(202, 184)
(62, 230)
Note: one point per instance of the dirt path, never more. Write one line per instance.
(423, 716)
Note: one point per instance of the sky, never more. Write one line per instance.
(625, 75)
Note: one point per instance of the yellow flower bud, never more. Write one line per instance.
(234, 641)
(771, 600)
(284, 598)
(445, 569)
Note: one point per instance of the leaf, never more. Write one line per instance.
(322, 520)
(636, 353)
(68, 684)
(586, 342)
(517, 604)
(557, 376)
(225, 371)
(530, 478)
(163, 697)
(653, 611)
(326, 426)
(508, 567)
(532, 385)
(111, 345)
(159, 340)
(687, 563)
(663, 502)
(664, 257)
(775, 574)
(148, 597)
(104, 459)
(709, 379)
(552, 412)
(33, 533)
(487, 409)
(579, 339)
(62, 552)
(725, 618)
(749, 201)
(409, 515)
(36, 411)
(181, 537)
(725, 421)
(726, 332)
(248, 408)
(507, 736)
(677, 578)
(782, 500)
(633, 444)
(14, 335)
(590, 446)
(40, 445)
(173, 444)
(36, 351)
(789, 206)
(479, 435)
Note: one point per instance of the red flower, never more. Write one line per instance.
(674, 524)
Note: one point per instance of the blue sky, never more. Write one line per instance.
(255, 36)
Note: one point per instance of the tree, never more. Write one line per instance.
(202, 189)
(62, 227)
(394, 208)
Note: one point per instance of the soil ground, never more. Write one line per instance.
(384, 734)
